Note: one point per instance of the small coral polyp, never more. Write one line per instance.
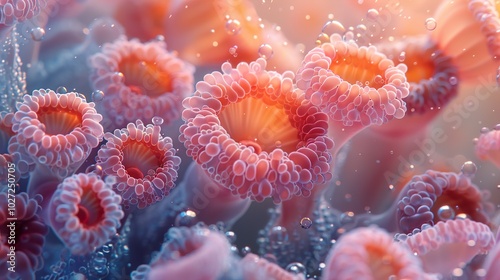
(54, 130)
(421, 200)
(143, 162)
(353, 84)
(450, 244)
(432, 75)
(139, 81)
(29, 233)
(467, 31)
(371, 253)
(85, 213)
(255, 134)
(189, 253)
(488, 146)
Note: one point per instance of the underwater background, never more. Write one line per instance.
(249, 139)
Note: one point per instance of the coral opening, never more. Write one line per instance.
(90, 211)
(381, 263)
(254, 122)
(145, 77)
(358, 71)
(139, 159)
(59, 121)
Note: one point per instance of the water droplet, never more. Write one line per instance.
(157, 120)
(296, 268)
(233, 26)
(277, 144)
(97, 96)
(62, 90)
(497, 127)
(186, 219)
(453, 81)
(332, 27)
(469, 169)
(372, 14)
(278, 235)
(306, 223)
(430, 24)
(37, 34)
(266, 51)
(402, 56)
(484, 130)
(445, 212)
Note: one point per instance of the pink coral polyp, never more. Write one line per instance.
(143, 162)
(448, 245)
(421, 199)
(353, 84)
(371, 253)
(488, 146)
(139, 81)
(29, 232)
(85, 213)
(255, 134)
(14, 11)
(55, 130)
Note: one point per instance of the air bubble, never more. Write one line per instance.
(306, 223)
(372, 14)
(233, 27)
(37, 34)
(233, 51)
(278, 235)
(246, 250)
(322, 38)
(95, 168)
(266, 51)
(97, 96)
(332, 27)
(402, 56)
(296, 268)
(62, 90)
(445, 212)
(453, 81)
(186, 219)
(430, 24)
(469, 169)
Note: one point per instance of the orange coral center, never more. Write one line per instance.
(140, 159)
(382, 264)
(59, 121)
(90, 211)
(357, 70)
(145, 77)
(418, 69)
(253, 122)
